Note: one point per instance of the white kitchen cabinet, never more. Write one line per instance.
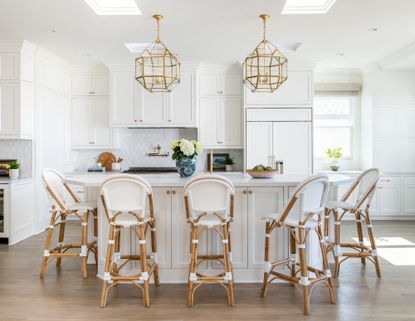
(297, 91)
(90, 85)
(219, 84)
(90, 123)
(181, 107)
(263, 201)
(124, 99)
(220, 123)
(153, 108)
(388, 196)
(258, 143)
(409, 195)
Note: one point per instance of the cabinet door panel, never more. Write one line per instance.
(181, 104)
(9, 112)
(231, 85)
(153, 108)
(231, 121)
(263, 201)
(81, 85)
(103, 132)
(209, 109)
(292, 144)
(258, 143)
(409, 199)
(209, 84)
(239, 233)
(389, 199)
(82, 122)
(100, 84)
(124, 108)
(162, 204)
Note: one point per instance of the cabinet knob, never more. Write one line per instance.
(244, 192)
(249, 192)
(220, 142)
(169, 120)
(141, 120)
(173, 192)
(135, 120)
(91, 92)
(168, 192)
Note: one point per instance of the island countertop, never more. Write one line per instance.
(174, 180)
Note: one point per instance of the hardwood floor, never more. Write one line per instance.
(64, 295)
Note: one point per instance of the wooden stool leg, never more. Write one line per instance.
(337, 245)
(61, 236)
(373, 245)
(326, 266)
(47, 243)
(326, 223)
(360, 233)
(228, 264)
(84, 245)
(266, 259)
(304, 282)
(194, 239)
(293, 251)
(154, 252)
(107, 268)
(143, 264)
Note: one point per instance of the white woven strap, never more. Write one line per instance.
(301, 246)
(374, 252)
(304, 281)
(267, 267)
(228, 276)
(155, 258)
(84, 223)
(46, 253)
(142, 242)
(337, 250)
(337, 223)
(267, 235)
(369, 226)
(144, 276)
(111, 241)
(230, 256)
(225, 241)
(84, 250)
(195, 241)
(192, 277)
(153, 229)
(293, 257)
(116, 257)
(327, 273)
(107, 276)
(51, 226)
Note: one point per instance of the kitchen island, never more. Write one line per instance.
(254, 198)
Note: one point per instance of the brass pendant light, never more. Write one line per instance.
(156, 68)
(265, 69)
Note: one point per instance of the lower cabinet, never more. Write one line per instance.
(409, 195)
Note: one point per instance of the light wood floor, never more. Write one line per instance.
(64, 295)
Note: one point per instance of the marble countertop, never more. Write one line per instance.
(174, 180)
(7, 180)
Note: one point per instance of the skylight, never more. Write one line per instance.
(114, 7)
(307, 6)
(136, 47)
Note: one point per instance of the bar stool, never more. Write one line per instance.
(300, 217)
(124, 198)
(364, 188)
(209, 202)
(65, 202)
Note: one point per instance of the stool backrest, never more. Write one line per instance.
(207, 195)
(365, 186)
(309, 198)
(126, 194)
(58, 191)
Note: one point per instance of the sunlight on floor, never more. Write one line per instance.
(387, 241)
(399, 255)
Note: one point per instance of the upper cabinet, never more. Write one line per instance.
(133, 106)
(16, 89)
(220, 107)
(297, 91)
(90, 81)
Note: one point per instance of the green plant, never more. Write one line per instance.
(14, 165)
(184, 148)
(334, 153)
(229, 161)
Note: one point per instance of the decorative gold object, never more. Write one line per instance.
(265, 69)
(156, 68)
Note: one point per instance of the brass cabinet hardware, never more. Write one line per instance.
(91, 92)
(250, 192)
(141, 120)
(244, 192)
(173, 192)
(157, 152)
(168, 192)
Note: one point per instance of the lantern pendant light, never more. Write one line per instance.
(156, 68)
(265, 69)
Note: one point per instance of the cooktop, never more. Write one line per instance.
(149, 170)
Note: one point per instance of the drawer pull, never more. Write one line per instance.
(168, 192)
(173, 192)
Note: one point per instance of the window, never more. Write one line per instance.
(334, 124)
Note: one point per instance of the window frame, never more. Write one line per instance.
(353, 117)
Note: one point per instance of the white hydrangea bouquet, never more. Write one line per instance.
(185, 153)
(184, 148)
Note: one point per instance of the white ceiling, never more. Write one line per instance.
(220, 31)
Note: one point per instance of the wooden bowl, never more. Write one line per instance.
(262, 174)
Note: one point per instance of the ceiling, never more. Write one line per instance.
(218, 31)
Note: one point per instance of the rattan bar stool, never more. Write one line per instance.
(65, 202)
(365, 187)
(209, 201)
(301, 216)
(124, 198)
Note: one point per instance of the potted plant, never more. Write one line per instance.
(185, 153)
(229, 162)
(14, 170)
(334, 155)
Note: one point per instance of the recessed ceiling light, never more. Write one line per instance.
(307, 6)
(50, 30)
(86, 54)
(136, 47)
(114, 7)
(340, 54)
(373, 29)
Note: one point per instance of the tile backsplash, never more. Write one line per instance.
(18, 149)
(134, 144)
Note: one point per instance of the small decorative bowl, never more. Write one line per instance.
(262, 174)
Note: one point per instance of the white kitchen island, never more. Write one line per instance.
(254, 198)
